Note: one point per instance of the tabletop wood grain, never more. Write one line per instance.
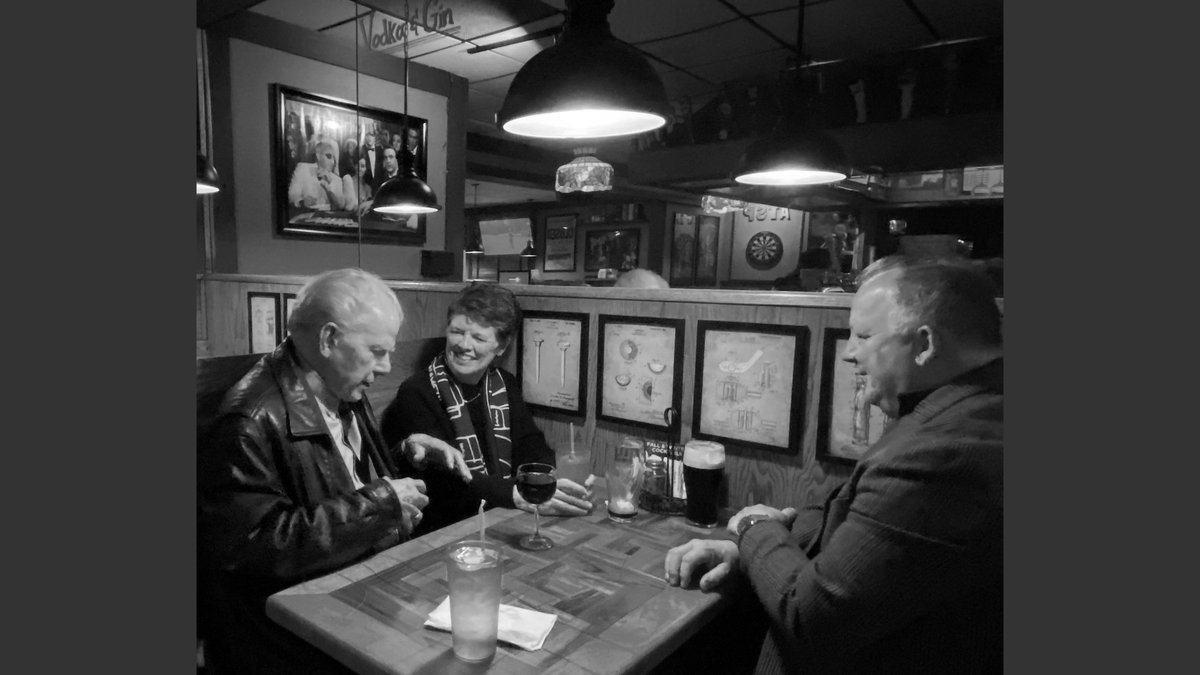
(603, 580)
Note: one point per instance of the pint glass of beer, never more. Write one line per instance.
(703, 464)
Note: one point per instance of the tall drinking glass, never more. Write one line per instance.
(473, 570)
(536, 484)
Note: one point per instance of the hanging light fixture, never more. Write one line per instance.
(588, 85)
(474, 245)
(406, 193)
(796, 153)
(585, 173)
(207, 180)
(528, 251)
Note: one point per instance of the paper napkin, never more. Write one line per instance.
(524, 628)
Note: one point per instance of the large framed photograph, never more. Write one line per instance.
(329, 158)
(552, 362)
(615, 249)
(683, 249)
(559, 242)
(750, 383)
(263, 315)
(846, 424)
(640, 373)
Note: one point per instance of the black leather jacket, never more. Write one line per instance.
(277, 503)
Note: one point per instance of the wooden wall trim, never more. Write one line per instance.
(681, 295)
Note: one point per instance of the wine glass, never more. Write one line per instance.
(536, 484)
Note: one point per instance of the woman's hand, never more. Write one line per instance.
(570, 499)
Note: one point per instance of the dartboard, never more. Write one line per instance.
(764, 250)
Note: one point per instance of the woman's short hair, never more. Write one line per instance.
(488, 304)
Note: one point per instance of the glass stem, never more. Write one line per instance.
(537, 513)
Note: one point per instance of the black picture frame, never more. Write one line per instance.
(831, 446)
(626, 372)
(289, 301)
(262, 321)
(616, 248)
(530, 319)
(558, 243)
(708, 244)
(295, 118)
(683, 249)
(729, 399)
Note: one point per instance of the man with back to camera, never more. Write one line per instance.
(900, 569)
(295, 480)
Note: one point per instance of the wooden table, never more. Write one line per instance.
(602, 579)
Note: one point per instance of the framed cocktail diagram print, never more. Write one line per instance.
(639, 376)
(846, 424)
(552, 350)
(263, 310)
(750, 384)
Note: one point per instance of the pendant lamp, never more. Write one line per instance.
(588, 85)
(207, 180)
(796, 153)
(406, 193)
(528, 252)
(585, 173)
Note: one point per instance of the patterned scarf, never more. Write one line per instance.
(451, 396)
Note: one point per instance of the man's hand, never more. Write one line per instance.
(786, 516)
(570, 499)
(718, 556)
(409, 491)
(423, 450)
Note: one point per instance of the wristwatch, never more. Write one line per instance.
(748, 522)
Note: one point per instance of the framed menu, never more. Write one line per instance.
(263, 311)
(750, 384)
(640, 370)
(552, 363)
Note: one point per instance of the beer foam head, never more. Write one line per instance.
(703, 454)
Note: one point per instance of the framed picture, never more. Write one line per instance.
(766, 242)
(559, 242)
(329, 158)
(289, 302)
(263, 311)
(846, 425)
(616, 249)
(750, 381)
(708, 234)
(683, 250)
(552, 350)
(640, 370)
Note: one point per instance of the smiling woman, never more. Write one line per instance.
(464, 398)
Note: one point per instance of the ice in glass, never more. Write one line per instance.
(473, 570)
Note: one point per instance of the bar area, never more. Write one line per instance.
(483, 389)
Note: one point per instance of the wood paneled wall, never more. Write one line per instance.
(753, 476)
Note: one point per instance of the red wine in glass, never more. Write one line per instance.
(536, 484)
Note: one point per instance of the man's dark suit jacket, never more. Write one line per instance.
(900, 570)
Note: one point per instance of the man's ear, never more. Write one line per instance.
(327, 339)
(927, 345)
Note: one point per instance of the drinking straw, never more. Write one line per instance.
(572, 439)
(482, 522)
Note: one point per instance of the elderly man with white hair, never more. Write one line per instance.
(295, 480)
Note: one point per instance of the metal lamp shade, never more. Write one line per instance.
(588, 85)
(405, 194)
(207, 180)
(806, 157)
